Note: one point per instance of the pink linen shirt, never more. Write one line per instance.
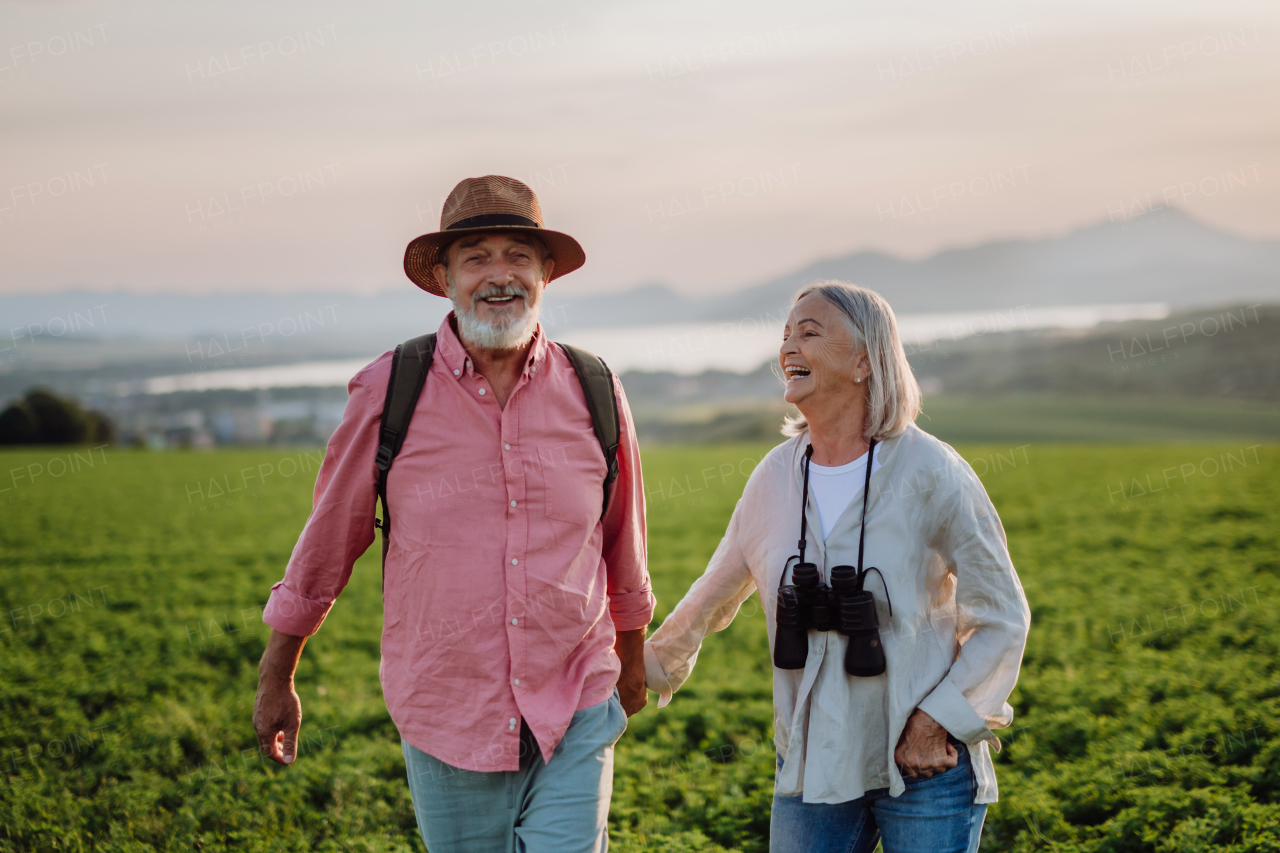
(504, 585)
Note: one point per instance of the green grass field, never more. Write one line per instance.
(1131, 419)
(130, 632)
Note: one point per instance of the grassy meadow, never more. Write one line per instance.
(130, 630)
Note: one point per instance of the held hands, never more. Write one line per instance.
(632, 692)
(923, 750)
(629, 647)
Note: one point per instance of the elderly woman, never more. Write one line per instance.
(897, 625)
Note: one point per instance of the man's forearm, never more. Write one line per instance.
(629, 646)
(280, 659)
(277, 711)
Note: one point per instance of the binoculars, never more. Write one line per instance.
(844, 606)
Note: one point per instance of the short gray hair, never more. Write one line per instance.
(893, 395)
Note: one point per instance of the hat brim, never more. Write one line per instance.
(423, 253)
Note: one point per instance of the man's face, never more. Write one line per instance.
(495, 281)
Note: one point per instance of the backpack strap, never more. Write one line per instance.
(409, 367)
(597, 386)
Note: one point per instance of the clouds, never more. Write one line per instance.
(614, 111)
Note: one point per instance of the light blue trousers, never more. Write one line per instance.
(561, 806)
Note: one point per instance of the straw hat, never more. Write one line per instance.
(491, 203)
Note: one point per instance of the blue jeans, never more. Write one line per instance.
(560, 806)
(935, 815)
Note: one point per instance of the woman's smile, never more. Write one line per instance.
(795, 373)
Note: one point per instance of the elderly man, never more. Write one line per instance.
(515, 590)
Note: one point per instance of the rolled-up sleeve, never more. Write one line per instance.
(625, 552)
(992, 618)
(340, 527)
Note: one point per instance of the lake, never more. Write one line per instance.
(691, 348)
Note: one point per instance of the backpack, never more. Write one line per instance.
(409, 367)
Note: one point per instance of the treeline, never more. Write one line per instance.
(43, 417)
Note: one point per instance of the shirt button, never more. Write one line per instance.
(514, 561)
(535, 368)
(457, 372)
(481, 392)
(513, 503)
(515, 621)
(506, 447)
(511, 722)
(517, 682)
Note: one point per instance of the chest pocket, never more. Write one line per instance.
(573, 477)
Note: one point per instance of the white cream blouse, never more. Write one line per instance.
(953, 644)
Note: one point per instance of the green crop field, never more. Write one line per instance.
(130, 632)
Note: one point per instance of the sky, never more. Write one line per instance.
(176, 147)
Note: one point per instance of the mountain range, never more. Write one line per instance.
(1163, 255)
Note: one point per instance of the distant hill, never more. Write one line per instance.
(1222, 353)
(1162, 256)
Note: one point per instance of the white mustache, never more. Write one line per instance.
(501, 290)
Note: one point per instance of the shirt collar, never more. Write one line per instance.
(451, 352)
(537, 353)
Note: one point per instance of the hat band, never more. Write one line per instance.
(486, 220)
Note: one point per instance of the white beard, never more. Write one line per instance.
(509, 333)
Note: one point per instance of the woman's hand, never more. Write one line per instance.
(923, 749)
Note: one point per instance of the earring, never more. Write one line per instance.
(857, 379)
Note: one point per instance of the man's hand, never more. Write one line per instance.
(629, 647)
(277, 710)
(923, 749)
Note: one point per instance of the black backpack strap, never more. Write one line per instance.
(409, 367)
(597, 386)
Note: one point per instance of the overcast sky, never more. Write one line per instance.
(182, 147)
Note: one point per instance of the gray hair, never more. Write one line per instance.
(893, 395)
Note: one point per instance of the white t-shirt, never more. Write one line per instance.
(835, 488)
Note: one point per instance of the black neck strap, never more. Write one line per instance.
(804, 503)
(862, 533)
(866, 491)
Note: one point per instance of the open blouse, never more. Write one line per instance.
(953, 644)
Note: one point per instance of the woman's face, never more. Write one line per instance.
(819, 355)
